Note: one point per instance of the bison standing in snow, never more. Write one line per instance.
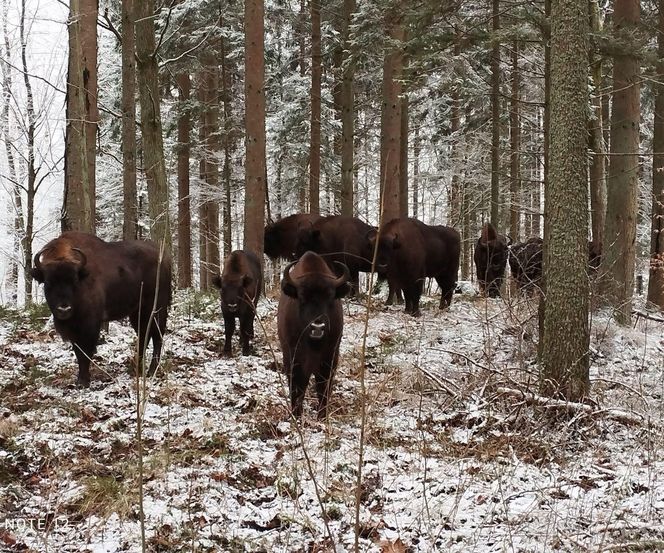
(310, 326)
(88, 281)
(490, 259)
(281, 237)
(240, 286)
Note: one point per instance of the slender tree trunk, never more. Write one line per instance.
(656, 281)
(403, 159)
(391, 122)
(515, 146)
(130, 207)
(566, 337)
(302, 196)
(255, 185)
(347, 114)
(455, 191)
(495, 116)
(416, 172)
(213, 148)
(151, 129)
(619, 253)
(316, 69)
(82, 117)
(227, 145)
(596, 139)
(184, 194)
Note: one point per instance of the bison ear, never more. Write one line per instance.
(288, 289)
(37, 274)
(342, 291)
(216, 281)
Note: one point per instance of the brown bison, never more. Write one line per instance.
(409, 251)
(240, 286)
(525, 259)
(339, 239)
(88, 281)
(280, 238)
(310, 324)
(490, 258)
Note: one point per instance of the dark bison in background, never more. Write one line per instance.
(310, 325)
(339, 239)
(490, 260)
(594, 255)
(409, 251)
(240, 285)
(280, 238)
(525, 259)
(88, 281)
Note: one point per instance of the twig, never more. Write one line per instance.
(444, 384)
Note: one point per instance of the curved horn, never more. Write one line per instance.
(84, 259)
(343, 278)
(36, 260)
(287, 278)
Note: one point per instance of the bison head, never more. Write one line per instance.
(491, 252)
(316, 294)
(233, 291)
(386, 246)
(61, 276)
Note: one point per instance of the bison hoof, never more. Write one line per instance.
(247, 351)
(227, 352)
(83, 382)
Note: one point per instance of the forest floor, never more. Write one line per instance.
(451, 460)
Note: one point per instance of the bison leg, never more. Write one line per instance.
(157, 342)
(298, 386)
(229, 329)
(84, 349)
(246, 332)
(323, 388)
(412, 295)
(447, 284)
(144, 322)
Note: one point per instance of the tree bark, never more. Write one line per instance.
(566, 337)
(212, 149)
(82, 116)
(151, 128)
(347, 114)
(656, 281)
(455, 192)
(184, 199)
(515, 146)
(391, 122)
(129, 194)
(227, 145)
(255, 185)
(316, 69)
(495, 115)
(619, 254)
(403, 159)
(416, 172)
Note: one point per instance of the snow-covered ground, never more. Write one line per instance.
(448, 463)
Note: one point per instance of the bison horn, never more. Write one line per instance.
(287, 277)
(84, 259)
(36, 260)
(345, 277)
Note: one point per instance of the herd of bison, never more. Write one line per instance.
(88, 281)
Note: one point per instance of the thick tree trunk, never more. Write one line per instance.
(82, 117)
(495, 116)
(184, 199)
(347, 114)
(129, 195)
(390, 155)
(255, 185)
(515, 146)
(316, 69)
(656, 281)
(566, 337)
(151, 129)
(619, 254)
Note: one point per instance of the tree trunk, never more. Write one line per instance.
(403, 159)
(129, 194)
(656, 281)
(302, 196)
(619, 254)
(151, 130)
(596, 139)
(212, 149)
(255, 185)
(227, 144)
(515, 146)
(566, 337)
(495, 115)
(390, 154)
(455, 192)
(347, 114)
(314, 152)
(184, 200)
(82, 117)
(416, 172)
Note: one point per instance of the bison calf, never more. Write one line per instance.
(240, 286)
(490, 260)
(88, 281)
(310, 325)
